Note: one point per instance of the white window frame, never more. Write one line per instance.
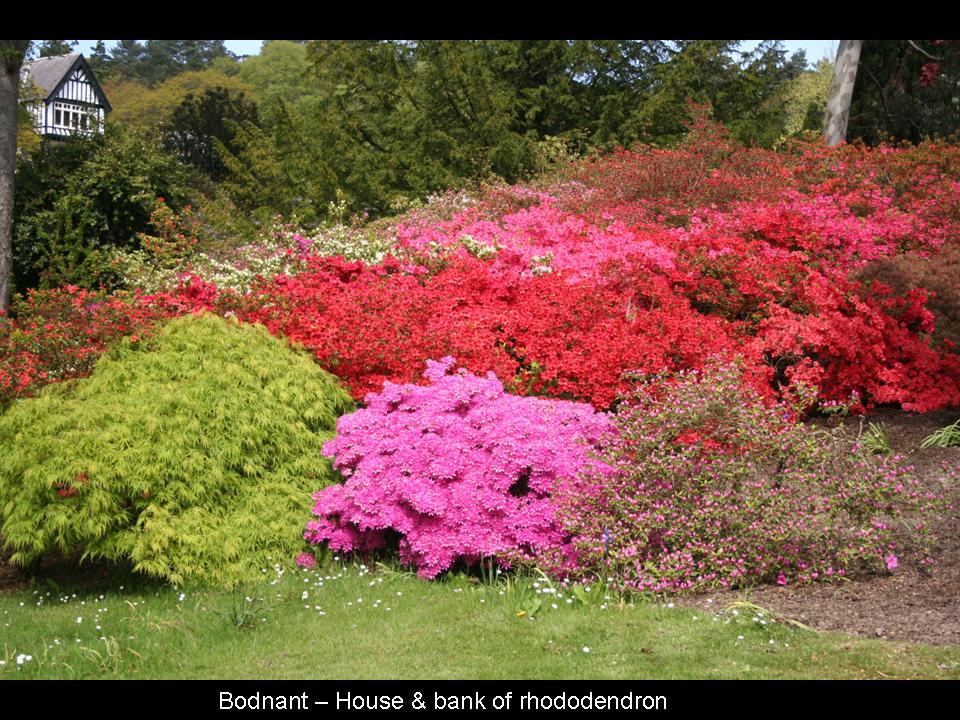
(72, 117)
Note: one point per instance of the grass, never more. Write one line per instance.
(354, 622)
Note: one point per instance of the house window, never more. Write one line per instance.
(73, 117)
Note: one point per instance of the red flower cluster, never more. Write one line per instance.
(641, 261)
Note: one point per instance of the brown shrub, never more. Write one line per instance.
(938, 273)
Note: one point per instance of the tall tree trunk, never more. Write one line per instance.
(841, 91)
(11, 58)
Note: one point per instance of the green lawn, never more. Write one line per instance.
(350, 622)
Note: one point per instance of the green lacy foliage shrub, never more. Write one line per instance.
(193, 454)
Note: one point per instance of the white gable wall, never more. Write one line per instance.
(74, 109)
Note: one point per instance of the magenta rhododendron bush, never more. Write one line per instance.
(458, 468)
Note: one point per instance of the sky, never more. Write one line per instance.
(816, 49)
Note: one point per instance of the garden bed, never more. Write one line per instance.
(907, 604)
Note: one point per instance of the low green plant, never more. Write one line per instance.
(242, 610)
(876, 439)
(948, 436)
(191, 454)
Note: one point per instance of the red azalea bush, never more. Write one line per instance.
(712, 487)
(59, 334)
(573, 337)
(458, 468)
(642, 260)
(541, 335)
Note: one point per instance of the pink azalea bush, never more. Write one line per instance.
(458, 468)
(537, 240)
(715, 488)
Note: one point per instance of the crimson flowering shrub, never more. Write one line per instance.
(59, 334)
(371, 324)
(873, 345)
(711, 487)
(546, 335)
(645, 260)
(458, 468)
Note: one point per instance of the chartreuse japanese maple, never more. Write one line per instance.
(191, 454)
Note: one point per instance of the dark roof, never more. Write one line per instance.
(49, 73)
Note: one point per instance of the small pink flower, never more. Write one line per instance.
(306, 560)
(892, 562)
(781, 579)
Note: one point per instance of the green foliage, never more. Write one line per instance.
(98, 59)
(279, 74)
(944, 437)
(193, 455)
(409, 117)
(742, 89)
(145, 108)
(805, 98)
(48, 48)
(876, 439)
(202, 122)
(906, 90)
(80, 198)
(154, 61)
(282, 171)
(28, 140)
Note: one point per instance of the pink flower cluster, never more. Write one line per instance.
(459, 469)
(539, 239)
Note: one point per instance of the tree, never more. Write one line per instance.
(894, 90)
(158, 60)
(140, 107)
(741, 88)
(124, 58)
(906, 90)
(281, 171)
(279, 72)
(163, 59)
(200, 119)
(81, 198)
(49, 48)
(99, 58)
(841, 91)
(805, 99)
(11, 58)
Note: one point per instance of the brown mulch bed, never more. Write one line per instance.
(906, 605)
